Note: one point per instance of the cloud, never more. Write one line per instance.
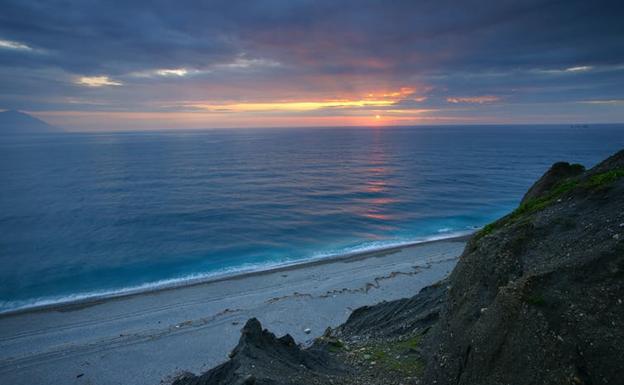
(240, 63)
(97, 81)
(9, 44)
(172, 72)
(578, 68)
(298, 106)
(245, 63)
(473, 99)
(575, 69)
(609, 102)
(275, 52)
(324, 36)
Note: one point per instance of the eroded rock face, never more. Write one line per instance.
(396, 318)
(539, 299)
(262, 358)
(536, 298)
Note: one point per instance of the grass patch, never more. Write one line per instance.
(335, 346)
(595, 182)
(604, 179)
(537, 204)
(566, 223)
(487, 229)
(531, 206)
(399, 356)
(536, 300)
(410, 343)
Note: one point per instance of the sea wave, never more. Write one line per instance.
(204, 277)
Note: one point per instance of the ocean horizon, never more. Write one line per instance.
(103, 214)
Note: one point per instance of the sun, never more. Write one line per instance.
(377, 117)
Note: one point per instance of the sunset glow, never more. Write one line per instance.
(178, 173)
(336, 63)
(291, 106)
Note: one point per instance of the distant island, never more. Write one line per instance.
(17, 122)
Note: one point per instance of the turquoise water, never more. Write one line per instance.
(98, 214)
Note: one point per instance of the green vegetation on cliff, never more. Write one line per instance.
(561, 190)
(537, 297)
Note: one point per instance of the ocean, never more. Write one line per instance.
(87, 215)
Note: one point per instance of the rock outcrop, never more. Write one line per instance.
(261, 358)
(536, 298)
(557, 173)
(396, 318)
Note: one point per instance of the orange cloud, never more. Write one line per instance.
(378, 109)
(293, 106)
(371, 99)
(400, 93)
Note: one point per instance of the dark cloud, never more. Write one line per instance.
(459, 48)
(118, 36)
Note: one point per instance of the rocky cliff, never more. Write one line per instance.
(536, 298)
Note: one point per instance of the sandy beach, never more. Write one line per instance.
(146, 338)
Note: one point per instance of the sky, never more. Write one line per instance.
(135, 65)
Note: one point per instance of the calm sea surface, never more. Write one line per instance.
(93, 214)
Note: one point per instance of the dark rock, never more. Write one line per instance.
(261, 358)
(557, 173)
(550, 292)
(538, 298)
(394, 318)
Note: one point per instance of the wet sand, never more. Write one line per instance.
(145, 338)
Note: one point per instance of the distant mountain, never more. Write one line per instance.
(16, 122)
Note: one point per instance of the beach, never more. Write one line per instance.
(147, 338)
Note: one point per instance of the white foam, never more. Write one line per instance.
(11, 306)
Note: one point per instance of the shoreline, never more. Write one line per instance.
(96, 299)
(148, 337)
